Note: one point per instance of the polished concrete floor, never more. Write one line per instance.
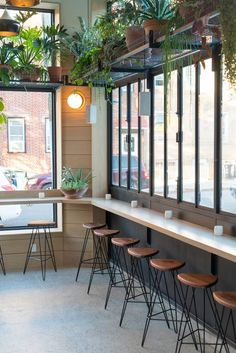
(57, 316)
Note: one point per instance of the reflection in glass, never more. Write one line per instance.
(228, 123)
(188, 127)
(172, 146)
(145, 146)
(115, 137)
(134, 137)
(124, 137)
(159, 135)
(206, 136)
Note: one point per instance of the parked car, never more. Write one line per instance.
(134, 172)
(40, 181)
(10, 211)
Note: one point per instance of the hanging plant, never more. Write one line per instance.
(228, 26)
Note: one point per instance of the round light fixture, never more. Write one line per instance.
(23, 3)
(8, 26)
(76, 100)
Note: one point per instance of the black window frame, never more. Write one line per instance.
(195, 207)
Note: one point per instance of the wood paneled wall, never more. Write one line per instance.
(76, 153)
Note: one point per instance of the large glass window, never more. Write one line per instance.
(144, 146)
(188, 141)
(32, 170)
(206, 136)
(172, 129)
(115, 137)
(124, 137)
(134, 136)
(228, 129)
(159, 117)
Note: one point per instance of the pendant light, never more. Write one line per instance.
(23, 3)
(8, 26)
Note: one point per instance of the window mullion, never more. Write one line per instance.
(197, 92)
(180, 133)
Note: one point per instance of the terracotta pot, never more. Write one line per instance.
(74, 193)
(55, 73)
(157, 26)
(5, 67)
(135, 37)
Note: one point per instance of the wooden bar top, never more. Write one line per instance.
(192, 234)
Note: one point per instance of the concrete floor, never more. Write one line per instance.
(57, 316)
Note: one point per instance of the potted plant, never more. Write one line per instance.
(194, 9)
(51, 42)
(74, 185)
(156, 14)
(8, 52)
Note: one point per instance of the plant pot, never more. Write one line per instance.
(74, 193)
(28, 76)
(55, 73)
(23, 3)
(135, 37)
(157, 26)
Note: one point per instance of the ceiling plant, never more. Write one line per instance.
(51, 43)
(156, 15)
(228, 28)
(8, 53)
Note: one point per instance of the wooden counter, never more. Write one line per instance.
(195, 235)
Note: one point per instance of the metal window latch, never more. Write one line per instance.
(179, 136)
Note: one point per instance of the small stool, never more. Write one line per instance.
(101, 238)
(228, 301)
(118, 254)
(41, 231)
(1, 256)
(161, 267)
(136, 272)
(89, 228)
(194, 281)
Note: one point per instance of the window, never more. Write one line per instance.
(16, 135)
(172, 129)
(206, 136)
(48, 135)
(34, 169)
(228, 168)
(134, 142)
(159, 135)
(124, 137)
(144, 146)
(115, 137)
(189, 133)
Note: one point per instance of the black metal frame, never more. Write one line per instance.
(196, 208)
(54, 145)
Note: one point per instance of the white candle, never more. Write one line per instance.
(218, 230)
(168, 214)
(108, 196)
(134, 203)
(41, 195)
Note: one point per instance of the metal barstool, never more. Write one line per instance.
(101, 256)
(161, 268)
(89, 229)
(119, 267)
(41, 232)
(138, 255)
(1, 257)
(227, 300)
(192, 282)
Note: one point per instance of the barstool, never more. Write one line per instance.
(228, 302)
(136, 272)
(1, 256)
(89, 228)
(119, 266)
(41, 231)
(101, 256)
(161, 267)
(194, 281)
